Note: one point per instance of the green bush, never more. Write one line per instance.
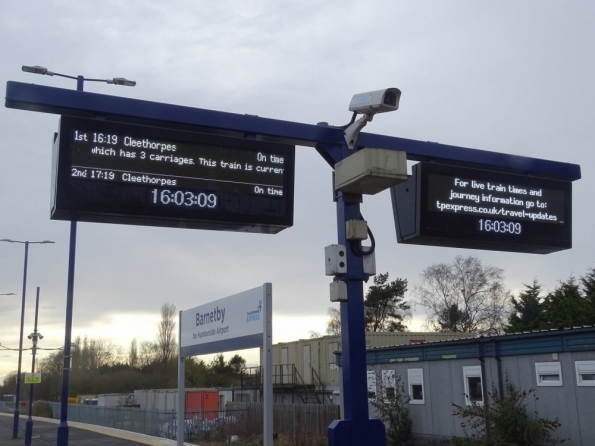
(503, 421)
(391, 404)
(42, 409)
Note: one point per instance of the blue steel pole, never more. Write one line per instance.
(352, 324)
(15, 425)
(356, 428)
(29, 424)
(62, 437)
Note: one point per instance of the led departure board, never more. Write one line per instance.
(114, 172)
(444, 205)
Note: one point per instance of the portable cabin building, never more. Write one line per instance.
(559, 365)
(306, 370)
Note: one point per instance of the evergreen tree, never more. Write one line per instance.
(588, 286)
(527, 310)
(385, 307)
(566, 307)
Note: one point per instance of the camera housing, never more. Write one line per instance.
(378, 101)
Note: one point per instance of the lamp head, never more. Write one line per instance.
(36, 69)
(122, 81)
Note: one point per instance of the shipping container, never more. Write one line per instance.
(110, 399)
(203, 403)
(156, 399)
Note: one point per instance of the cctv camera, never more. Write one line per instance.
(378, 101)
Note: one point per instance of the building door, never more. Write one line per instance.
(222, 405)
(285, 372)
(306, 365)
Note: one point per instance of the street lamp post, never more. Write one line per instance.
(36, 69)
(35, 336)
(15, 425)
(62, 437)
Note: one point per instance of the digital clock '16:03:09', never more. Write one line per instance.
(499, 226)
(184, 198)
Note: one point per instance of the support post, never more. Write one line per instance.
(181, 401)
(356, 428)
(62, 437)
(15, 424)
(267, 365)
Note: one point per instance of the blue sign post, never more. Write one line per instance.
(356, 428)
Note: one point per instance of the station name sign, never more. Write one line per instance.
(114, 172)
(233, 323)
(444, 205)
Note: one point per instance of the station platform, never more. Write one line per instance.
(45, 431)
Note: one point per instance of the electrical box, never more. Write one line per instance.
(369, 171)
(338, 291)
(356, 229)
(369, 264)
(336, 259)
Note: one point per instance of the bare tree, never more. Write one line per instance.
(91, 354)
(148, 354)
(101, 353)
(464, 296)
(166, 334)
(333, 323)
(133, 354)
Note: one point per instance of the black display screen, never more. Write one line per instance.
(462, 207)
(115, 172)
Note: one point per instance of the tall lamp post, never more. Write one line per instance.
(15, 425)
(62, 438)
(35, 337)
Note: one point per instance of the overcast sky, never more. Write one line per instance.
(511, 76)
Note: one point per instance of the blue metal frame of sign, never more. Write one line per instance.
(356, 428)
(84, 104)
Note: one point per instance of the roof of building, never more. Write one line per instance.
(530, 342)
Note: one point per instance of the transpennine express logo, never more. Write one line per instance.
(254, 315)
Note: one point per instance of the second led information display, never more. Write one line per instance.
(456, 206)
